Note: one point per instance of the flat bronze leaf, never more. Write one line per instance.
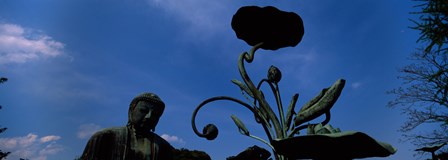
(241, 127)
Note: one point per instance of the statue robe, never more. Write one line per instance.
(119, 144)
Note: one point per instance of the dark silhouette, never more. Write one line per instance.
(185, 154)
(432, 24)
(432, 150)
(423, 96)
(270, 28)
(135, 141)
(442, 156)
(3, 154)
(252, 153)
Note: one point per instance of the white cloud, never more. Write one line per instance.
(173, 139)
(16, 142)
(19, 45)
(31, 147)
(52, 148)
(49, 138)
(8, 143)
(87, 130)
(25, 141)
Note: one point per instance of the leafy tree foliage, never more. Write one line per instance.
(2, 80)
(423, 96)
(3, 155)
(185, 154)
(442, 156)
(432, 24)
(252, 153)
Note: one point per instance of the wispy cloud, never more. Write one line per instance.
(20, 45)
(31, 147)
(51, 148)
(201, 15)
(296, 56)
(300, 64)
(356, 85)
(10, 143)
(87, 130)
(49, 138)
(173, 139)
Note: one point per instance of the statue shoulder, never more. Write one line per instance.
(106, 144)
(113, 131)
(162, 142)
(166, 151)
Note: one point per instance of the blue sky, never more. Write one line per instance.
(75, 65)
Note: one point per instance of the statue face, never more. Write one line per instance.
(145, 116)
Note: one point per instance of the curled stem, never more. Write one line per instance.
(248, 57)
(276, 91)
(193, 119)
(262, 140)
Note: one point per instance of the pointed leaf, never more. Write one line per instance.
(243, 87)
(241, 127)
(323, 105)
(314, 100)
(290, 112)
(271, 117)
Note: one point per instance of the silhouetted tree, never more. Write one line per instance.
(423, 95)
(252, 153)
(185, 154)
(432, 24)
(442, 156)
(3, 155)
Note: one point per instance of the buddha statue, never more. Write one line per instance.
(136, 140)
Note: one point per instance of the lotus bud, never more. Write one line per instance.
(274, 74)
(210, 132)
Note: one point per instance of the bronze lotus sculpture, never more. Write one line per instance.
(270, 28)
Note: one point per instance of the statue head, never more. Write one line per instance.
(145, 111)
